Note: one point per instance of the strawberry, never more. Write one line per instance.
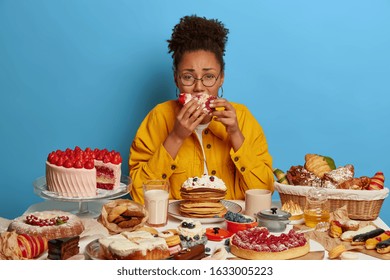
(182, 98)
(89, 164)
(68, 163)
(106, 158)
(78, 164)
(116, 159)
(60, 161)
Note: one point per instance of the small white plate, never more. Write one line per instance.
(174, 211)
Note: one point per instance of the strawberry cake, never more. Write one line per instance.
(203, 100)
(80, 173)
(258, 244)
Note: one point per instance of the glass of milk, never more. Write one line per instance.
(156, 197)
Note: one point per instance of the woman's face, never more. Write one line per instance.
(198, 65)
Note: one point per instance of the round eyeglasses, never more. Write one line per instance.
(208, 80)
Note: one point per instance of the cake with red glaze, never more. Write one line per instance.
(79, 173)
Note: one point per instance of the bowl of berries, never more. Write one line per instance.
(236, 222)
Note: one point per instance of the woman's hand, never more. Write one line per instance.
(189, 117)
(228, 118)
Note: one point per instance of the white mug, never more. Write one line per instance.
(257, 200)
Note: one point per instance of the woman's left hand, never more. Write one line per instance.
(227, 117)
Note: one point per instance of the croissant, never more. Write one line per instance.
(319, 165)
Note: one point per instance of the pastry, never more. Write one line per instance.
(191, 233)
(63, 248)
(135, 245)
(360, 239)
(172, 239)
(48, 224)
(334, 178)
(15, 246)
(361, 183)
(202, 99)
(348, 235)
(299, 176)
(336, 251)
(372, 242)
(196, 252)
(258, 244)
(377, 182)
(319, 165)
(123, 215)
(294, 209)
(383, 247)
(335, 229)
(79, 173)
(347, 255)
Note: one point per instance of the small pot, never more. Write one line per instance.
(273, 219)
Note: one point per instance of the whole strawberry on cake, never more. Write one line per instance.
(79, 173)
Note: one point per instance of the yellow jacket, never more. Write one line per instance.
(248, 168)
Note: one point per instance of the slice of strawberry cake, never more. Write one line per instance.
(203, 100)
(79, 173)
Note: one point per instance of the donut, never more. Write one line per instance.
(51, 224)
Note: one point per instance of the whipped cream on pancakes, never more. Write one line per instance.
(206, 181)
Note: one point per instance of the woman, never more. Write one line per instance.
(175, 142)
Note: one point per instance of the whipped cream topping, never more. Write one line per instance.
(191, 232)
(206, 181)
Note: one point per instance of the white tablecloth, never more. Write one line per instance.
(95, 230)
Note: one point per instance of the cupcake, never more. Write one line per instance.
(191, 233)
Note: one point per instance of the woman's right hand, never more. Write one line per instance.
(189, 117)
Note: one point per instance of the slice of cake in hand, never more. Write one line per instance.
(203, 100)
(63, 248)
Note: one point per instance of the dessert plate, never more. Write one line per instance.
(173, 210)
(40, 188)
(92, 250)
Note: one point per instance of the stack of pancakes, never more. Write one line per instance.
(202, 197)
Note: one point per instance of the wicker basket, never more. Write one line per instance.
(361, 204)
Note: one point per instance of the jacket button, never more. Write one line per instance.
(208, 146)
(236, 159)
(206, 131)
(164, 176)
(173, 167)
(213, 172)
(242, 169)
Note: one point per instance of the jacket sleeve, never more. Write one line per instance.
(253, 161)
(148, 159)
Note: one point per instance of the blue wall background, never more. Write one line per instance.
(314, 73)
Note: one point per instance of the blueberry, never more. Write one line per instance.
(184, 224)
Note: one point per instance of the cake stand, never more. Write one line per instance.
(40, 188)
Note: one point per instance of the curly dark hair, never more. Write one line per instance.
(194, 33)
